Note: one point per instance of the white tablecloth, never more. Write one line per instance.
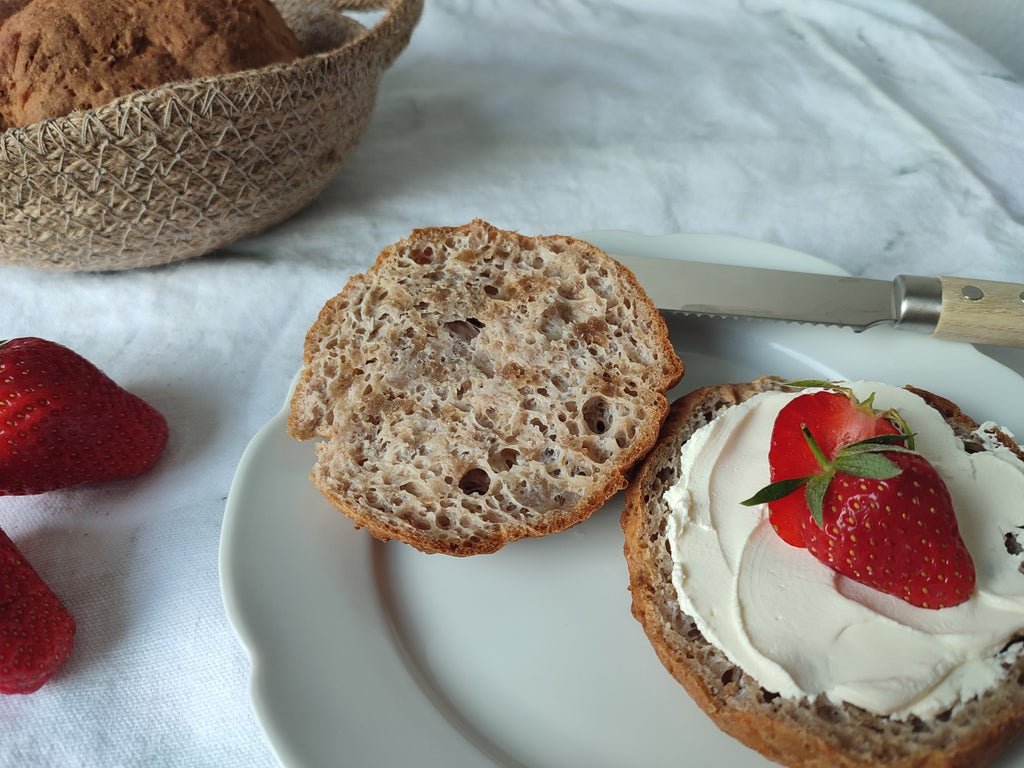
(865, 132)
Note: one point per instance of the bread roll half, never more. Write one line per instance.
(477, 386)
(795, 732)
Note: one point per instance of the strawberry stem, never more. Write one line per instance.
(817, 485)
(815, 448)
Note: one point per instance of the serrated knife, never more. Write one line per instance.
(956, 308)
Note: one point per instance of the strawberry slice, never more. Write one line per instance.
(36, 631)
(64, 422)
(880, 514)
(838, 419)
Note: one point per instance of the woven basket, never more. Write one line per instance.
(177, 171)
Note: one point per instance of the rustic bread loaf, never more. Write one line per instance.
(57, 56)
(476, 386)
(792, 732)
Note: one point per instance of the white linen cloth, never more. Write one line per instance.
(865, 132)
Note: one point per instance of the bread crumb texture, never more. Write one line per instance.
(57, 56)
(477, 386)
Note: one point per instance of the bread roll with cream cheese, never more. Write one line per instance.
(803, 730)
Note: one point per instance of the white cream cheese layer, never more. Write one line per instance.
(801, 629)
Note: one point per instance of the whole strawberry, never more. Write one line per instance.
(897, 534)
(36, 631)
(64, 422)
(869, 507)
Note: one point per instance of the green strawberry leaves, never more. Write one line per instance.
(861, 459)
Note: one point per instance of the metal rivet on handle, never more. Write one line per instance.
(972, 292)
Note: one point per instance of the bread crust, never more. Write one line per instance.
(57, 56)
(805, 733)
(477, 386)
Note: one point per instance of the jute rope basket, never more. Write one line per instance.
(177, 171)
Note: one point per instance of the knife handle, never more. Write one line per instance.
(981, 311)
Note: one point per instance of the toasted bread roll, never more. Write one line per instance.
(796, 732)
(476, 386)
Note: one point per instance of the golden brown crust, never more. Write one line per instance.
(809, 734)
(478, 386)
(57, 56)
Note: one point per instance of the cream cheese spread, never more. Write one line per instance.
(801, 629)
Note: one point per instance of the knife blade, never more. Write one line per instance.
(955, 308)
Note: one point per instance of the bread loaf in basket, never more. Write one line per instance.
(179, 170)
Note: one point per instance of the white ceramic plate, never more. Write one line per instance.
(366, 654)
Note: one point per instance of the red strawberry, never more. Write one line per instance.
(880, 514)
(64, 422)
(838, 419)
(898, 534)
(36, 631)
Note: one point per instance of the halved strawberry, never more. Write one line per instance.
(838, 419)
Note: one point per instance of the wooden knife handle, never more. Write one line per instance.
(981, 311)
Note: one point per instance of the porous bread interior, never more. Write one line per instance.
(806, 733)
(476, 386)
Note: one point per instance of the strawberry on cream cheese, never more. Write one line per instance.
(800, 628)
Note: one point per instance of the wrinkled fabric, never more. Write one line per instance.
(864, 132)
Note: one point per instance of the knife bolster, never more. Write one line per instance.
(916, 303)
